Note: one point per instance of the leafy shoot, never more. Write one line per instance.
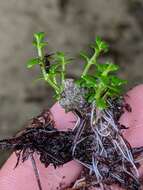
(102, 85)
(50, 72)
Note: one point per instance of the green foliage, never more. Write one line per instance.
(84, 56)
(62, 60)
(100, 45)
(40, 44)
(101, 85)
(56, 65)
(32, 62)
(39, 40)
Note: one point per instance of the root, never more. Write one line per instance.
(112, 159)
(36, 171)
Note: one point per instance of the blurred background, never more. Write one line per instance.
(70, 25)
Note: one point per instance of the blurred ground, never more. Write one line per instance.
(70, 26)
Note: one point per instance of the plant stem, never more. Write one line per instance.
(63, 72)
(46, 77)
(92, 61)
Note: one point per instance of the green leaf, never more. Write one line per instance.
(87, 85)
(60, 54)
(105, 80)
(39, 36)
(43, 44)
(67, 61)
(114, 90)
(53, 68)
(102, 67)
(91, 98)
(110, 67)
(101, 44)
(34, 43)
(57, 96)
(98, 41)
(38, 79)
(90, 80)
(79, 82)
(101, 103)
(84, 56)
(104, 46)
(61, 58)
(82, 83)
(115, 81)
(32, 62)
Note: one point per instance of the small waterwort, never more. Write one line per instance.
(96, 140)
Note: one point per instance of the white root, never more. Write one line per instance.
(103, 126)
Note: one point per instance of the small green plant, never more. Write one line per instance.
(96, 140)
(55, 71)
(101, 85)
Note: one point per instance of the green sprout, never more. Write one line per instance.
(102, 85)
(99, 46)
(62, 60)
(57, 69)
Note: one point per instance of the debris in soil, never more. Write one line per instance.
(128, 107)
(42, 137)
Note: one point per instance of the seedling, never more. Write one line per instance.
(50, 73)
(96, 140)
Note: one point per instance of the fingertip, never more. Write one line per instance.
(62, 176)
(22, 177)
(62, 119)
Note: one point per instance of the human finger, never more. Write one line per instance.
(23, 176)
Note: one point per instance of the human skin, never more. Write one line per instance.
(23, 178)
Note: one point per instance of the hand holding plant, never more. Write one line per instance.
(105, 140)
(23, 177)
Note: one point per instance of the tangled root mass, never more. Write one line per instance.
(96, 142)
